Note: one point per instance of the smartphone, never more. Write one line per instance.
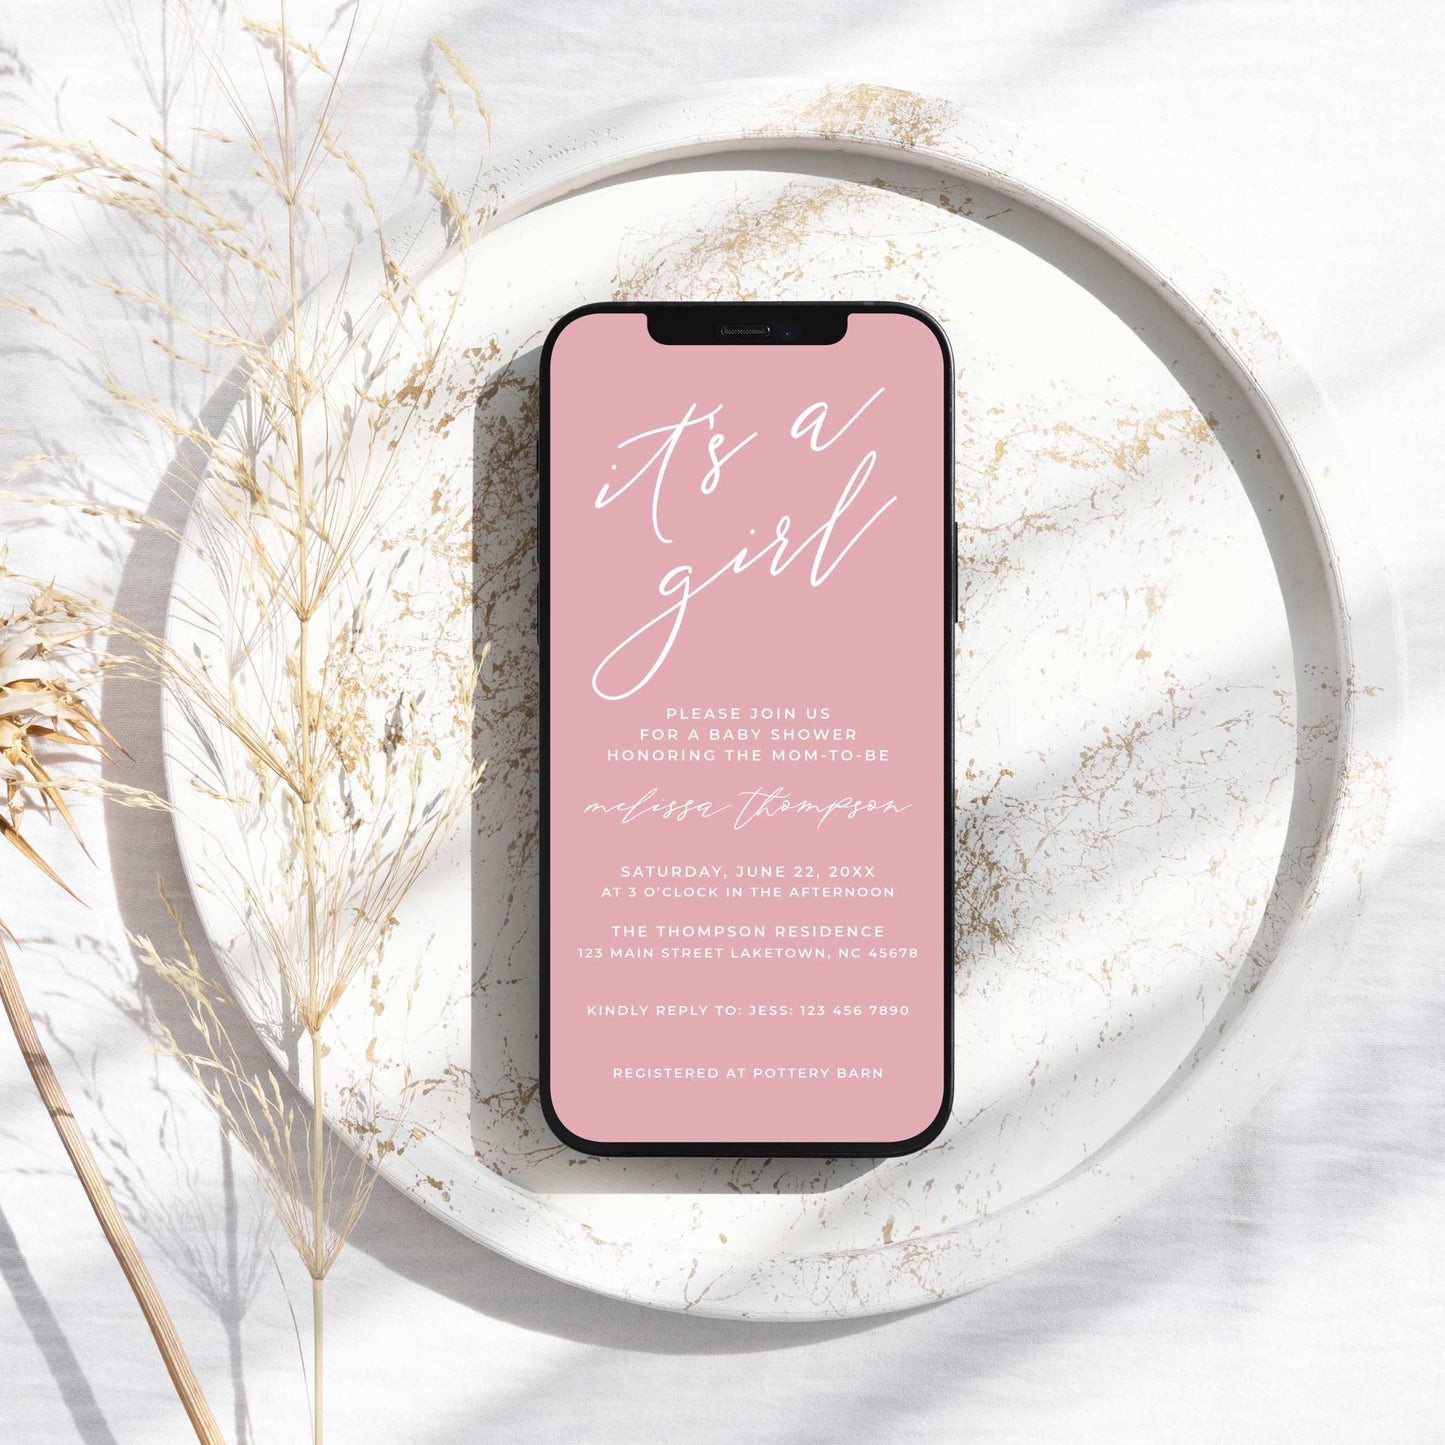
(747, 561)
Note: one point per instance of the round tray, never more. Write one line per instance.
(1176, 679)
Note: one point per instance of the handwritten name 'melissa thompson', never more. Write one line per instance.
(756, 804)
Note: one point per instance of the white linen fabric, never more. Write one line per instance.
(1290, 1288)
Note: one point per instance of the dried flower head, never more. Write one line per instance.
(47, 659)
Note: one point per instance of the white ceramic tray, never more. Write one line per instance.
(1176, 680)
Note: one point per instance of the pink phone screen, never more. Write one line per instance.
(746, 739)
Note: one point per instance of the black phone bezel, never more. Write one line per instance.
(697, 323)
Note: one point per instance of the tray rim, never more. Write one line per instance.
(730, 118)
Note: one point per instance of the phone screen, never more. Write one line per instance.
(747, 792)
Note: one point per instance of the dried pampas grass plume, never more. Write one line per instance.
(43, 672)
(47, 659)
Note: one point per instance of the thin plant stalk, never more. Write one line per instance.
(307, 798)
(118, 1236)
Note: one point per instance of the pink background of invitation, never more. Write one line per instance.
(865, 643)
